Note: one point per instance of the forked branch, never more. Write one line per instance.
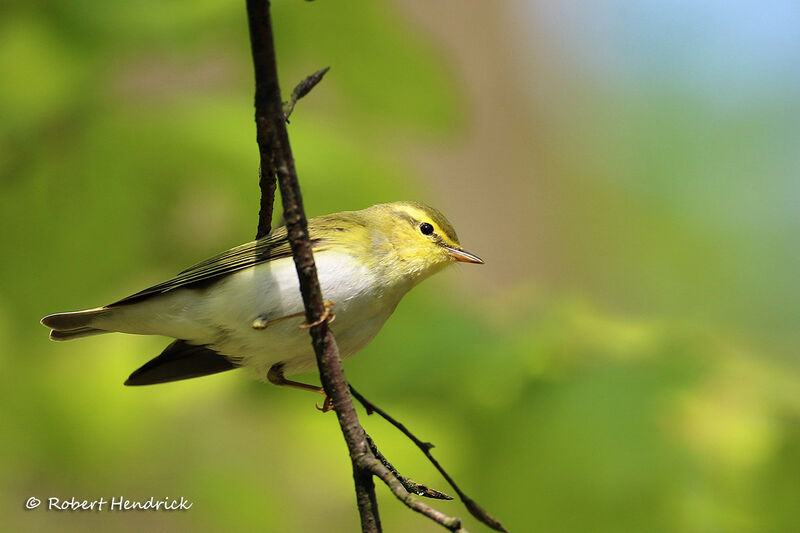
(472, 506)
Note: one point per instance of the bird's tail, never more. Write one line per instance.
(68, 326)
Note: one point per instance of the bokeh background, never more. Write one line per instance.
(626, 360)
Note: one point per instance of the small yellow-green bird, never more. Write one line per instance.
(243, 307)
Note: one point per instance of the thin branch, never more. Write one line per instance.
(273, 142)
(366, 500)
(266, 79)
(302, 89)
(371, 463)
(409, 484)
(472, 506)
(277, 160)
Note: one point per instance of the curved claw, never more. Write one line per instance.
(327, 405)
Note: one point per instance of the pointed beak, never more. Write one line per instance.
(463, 256)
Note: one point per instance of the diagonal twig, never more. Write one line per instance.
(472, 506)
(409, 484)
(302, 89)
(276, 157)
(371, 463)
(277, 161)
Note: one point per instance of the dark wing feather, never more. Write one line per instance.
(180, 360)
(273, 246)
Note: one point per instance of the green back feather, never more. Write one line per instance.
(273, 246)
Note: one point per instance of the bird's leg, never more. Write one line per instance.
(261, 321)
(276, 377)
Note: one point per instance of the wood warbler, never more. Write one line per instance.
(243, 307)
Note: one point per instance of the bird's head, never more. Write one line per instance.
(421, 238)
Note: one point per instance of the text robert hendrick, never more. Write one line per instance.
(119, 504)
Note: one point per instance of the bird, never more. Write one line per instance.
(243, 307)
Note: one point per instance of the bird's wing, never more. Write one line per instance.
(180, 360)
(273, 246)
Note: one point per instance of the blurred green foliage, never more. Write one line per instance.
(127, 152)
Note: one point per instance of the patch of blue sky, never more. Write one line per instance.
(728, 52)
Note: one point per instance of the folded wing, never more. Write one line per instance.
(273, 246)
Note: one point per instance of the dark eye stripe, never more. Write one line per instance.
(438, 240)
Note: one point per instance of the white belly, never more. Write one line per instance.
(222, 315)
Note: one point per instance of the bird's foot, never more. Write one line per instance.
(327, 315)
(327, 405)
(276, 377)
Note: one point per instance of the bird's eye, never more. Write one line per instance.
(426, 228)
